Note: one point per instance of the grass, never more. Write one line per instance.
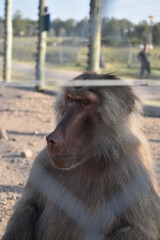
(72, 54)
(152, 102)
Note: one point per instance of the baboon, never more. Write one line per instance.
(94, 180)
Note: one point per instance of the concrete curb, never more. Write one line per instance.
(151, 111)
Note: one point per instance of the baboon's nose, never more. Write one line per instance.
(53, 142)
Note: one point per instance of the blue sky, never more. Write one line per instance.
(135, 11)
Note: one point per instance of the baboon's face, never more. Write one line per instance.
(70, 143)
(89, 121)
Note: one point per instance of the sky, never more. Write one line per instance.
(134, 11)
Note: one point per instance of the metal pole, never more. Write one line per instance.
(8, 41)
(151, 34)
(95, 36)
(130, 57)
(41, 49)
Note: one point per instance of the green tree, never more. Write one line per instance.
(1, 27)
(69, 26)
(126, 28)
(57, 24)
(31, 27)
(156, 34)
(19, 25)
(142, 31)
(110, 27)
(82, 28)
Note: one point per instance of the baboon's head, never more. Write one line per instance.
(88, 119)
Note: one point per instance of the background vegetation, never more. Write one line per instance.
(67, 44)
(114, 32)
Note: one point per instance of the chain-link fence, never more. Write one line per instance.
(68, 41)
(67, 56)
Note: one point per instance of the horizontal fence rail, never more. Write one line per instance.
(84, 83)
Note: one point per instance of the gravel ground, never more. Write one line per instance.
(26, 117)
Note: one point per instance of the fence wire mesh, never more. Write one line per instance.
(66, 56)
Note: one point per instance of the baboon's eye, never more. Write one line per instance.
(68, 98)
(86, 102)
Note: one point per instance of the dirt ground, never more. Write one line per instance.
(26, 117)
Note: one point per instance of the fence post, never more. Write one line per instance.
(95, 36)
(7, 70)
(41, 49)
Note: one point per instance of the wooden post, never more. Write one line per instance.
(7, 71)
(41, 50)
(95, 36)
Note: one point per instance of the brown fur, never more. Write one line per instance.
(110, 195)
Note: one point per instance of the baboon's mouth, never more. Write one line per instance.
(62, 161)
(62, 156)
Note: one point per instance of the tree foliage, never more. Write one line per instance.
(156, 34)
(114, 32)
